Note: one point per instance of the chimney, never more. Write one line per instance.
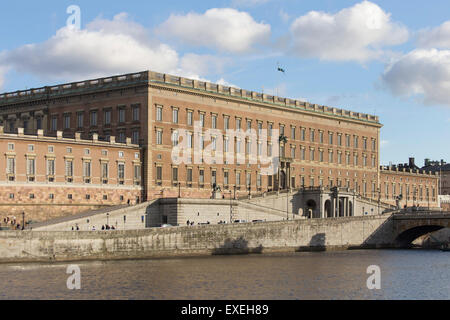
(427, 162)
(442, 162)
(411, 163)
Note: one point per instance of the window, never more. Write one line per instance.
(226, 178)
(320, 155)
(293, 152)
(87, 152)
(122, 115)
(175, 115)
(31, 195)
(69, 150)
(321, 136)
(135, 137)
(175, 175)
(121, 173)
(374, 144)
(11, 166)
(330, 156)
(312, 138)
(347, 141)
(10, 146)
(136, 113)
(31, 166)
(104, 172)
(293, 133)
(137, 174)
(190, 118)
(303, 154)
(339, 158)
(88, 197)
(80, 120)
(248, 180)
(69, 168)
(258, 181)
(31, 148)
(107, 117)
(214, 121)
(303, 134)
(270, 128)
(238, 179)
(260, 127)
(238, 124)
(67, 121)
(311, 155)
(339, 140)
(355, 159)
(175, 138)
(11, 195)
(355, 142)
(202, 120)
(94, 119)
(54, 123)
(189, 176)
(201, 177)
(50, 167)
(330, 137)
(365, 143)
(226, 123)
(159, 113)
(281, 129)
(87, 170)
(122, 137)
(51, 149)
(159, 175)
(213, 177)
(249, 125)
(121, 154)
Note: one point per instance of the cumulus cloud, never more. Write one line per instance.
(422, 72)
(358, 33)
(438, 37)
(103, 48)
(225, 29)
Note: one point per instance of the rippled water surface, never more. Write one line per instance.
(405, 274)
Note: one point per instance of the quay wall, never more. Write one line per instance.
(281, 236)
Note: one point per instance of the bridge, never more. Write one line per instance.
(410, 226)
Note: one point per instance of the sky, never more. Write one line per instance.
(388, 58)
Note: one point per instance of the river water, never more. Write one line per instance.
(405, 274)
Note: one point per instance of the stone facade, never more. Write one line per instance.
(47, 177)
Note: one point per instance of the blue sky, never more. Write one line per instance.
(389, 58)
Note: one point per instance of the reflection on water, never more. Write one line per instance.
(405, 274)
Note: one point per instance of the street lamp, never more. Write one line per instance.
(282, 139)
(23, 220)
(231, 208)
(179, 189)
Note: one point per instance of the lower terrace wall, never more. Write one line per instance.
(32, 246)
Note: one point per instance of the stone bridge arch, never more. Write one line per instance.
(408, 228)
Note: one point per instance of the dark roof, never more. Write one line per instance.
(437, 168)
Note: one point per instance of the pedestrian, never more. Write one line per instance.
(129, 201)
(188, 223)
(103, 228)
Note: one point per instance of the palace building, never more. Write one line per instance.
(120, 131)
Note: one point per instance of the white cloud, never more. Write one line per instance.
(223, 82)
(284, 16)
(384, 143)
(104, 48)
(438, 37)
(358, 33)
(422, 72)
(224, 29)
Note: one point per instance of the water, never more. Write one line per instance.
(405, 274)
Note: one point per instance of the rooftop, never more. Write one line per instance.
(148, 77)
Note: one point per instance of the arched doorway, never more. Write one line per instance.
(328, 212)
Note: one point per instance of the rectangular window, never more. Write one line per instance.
(11, 166)
(122, 115)
(174, 175)
(104, 170)
(50, 167)
(339, 140)
(10, 146)
(175, 115)
(67, 121)
(320, 136)
(330, 156)
(248, 180)
(51, 149)
(136, 113)
(135, 137)
(69, 168)
(86, 169)
(93, 118)
(260, 127)
(238, 124)
(303, 134)
(312, 137)
(347, 141)
(31, 167)
(121, 171)
(189, 176)
(270, 127)
(330, 137)
(54, 124)
(80, 120)
(201, 177)
(293, 133)
(159, 113)
(213, 177)
(226, 123)
(311, 155)
(303, 154)
(159, 174)
(202, 120)
(107, 117)
(355, 142)
(238, 179)
(190, 118)
(226, 178)
(214, 121)
(31, 148)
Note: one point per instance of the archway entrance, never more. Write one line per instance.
(311, 208)
(406, 238)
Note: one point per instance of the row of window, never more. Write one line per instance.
(314, 135)
(69, 170)
(51, 196)
(93, 118)
(409, 192)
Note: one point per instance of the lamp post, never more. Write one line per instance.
(231, 208)
(23, 220)
(179, 189)
(282, 139)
